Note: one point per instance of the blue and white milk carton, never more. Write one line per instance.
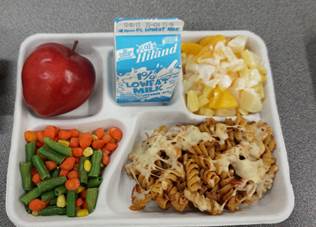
(147, 59)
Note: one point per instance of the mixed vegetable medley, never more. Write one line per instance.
(63, 168)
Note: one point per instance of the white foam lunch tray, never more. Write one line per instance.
(102, 111)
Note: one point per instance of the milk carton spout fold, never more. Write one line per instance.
(147, 59)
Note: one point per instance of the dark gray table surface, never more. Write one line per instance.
(288, 28)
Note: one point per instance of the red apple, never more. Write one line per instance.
(56, 79)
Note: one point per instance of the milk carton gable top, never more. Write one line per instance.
(126, 26)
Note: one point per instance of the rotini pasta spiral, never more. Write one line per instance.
(192, 174)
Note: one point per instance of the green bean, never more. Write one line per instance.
(83, 175)
(58, 147)
(51, 155)
(55, 173)
(60, 190)
(40, 167)
(52, 201)
(27, 197)
(29, 151)
(91, 199)
(52, 210)
(47, 196)
(51, 183)
(25, 170)
(96, 164)
(71, 204)
(94, 182)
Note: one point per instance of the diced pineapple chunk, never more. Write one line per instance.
(203, 100)
(233, 66)
(207, 91)
(260, 90)
(192, 101)
(212, 40)
(226, 112)
(250, 101)
(242, 111)
(206, 111)
(198, 87)
(254, 77)
(249, 58)
(244, 72)
(238, 43)
(187, 84)
(229, 54)
(191, 48)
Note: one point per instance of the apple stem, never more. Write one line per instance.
(74, 47)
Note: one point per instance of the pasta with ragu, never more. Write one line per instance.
(210, 166)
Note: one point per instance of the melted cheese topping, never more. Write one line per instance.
(245, 168)
(250, 170)
(172, 142)
(245, 158)
(220, 132)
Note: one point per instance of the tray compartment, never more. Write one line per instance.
(275, 205)
(19, 155)
(87, 48)
(254, 43)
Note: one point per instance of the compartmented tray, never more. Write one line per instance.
(102, 111)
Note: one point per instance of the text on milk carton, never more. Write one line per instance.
(147, 64)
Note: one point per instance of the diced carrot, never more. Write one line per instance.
(83, 194)
(111, 146)
(50, 131)
(105, 151)
(40, 136)
(105, 159)
(64, 134)
(72, 184)
(73, 174)
(37, 205)
(36, 179)
(77, 151)
(116, 133)
(74, 133)
(39, 144)
(30, 136)
(107, 138)
(98, 144)
(63, 172)
(33, 171)
(113, 141)
(50, 165)
(79, 202)
(68, 163)
(85, 140)
(74, 142)
(84, 205)
(99, 132)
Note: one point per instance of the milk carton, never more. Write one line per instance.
(147, 59)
